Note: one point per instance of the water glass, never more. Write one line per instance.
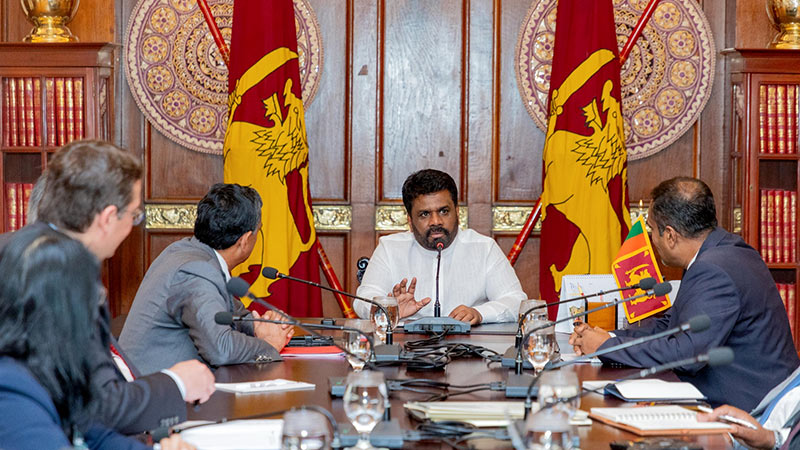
(364, 400)
(379, 319)
(548, 429)
(305, 429)
(537, 314)
(540, 343)
(357, 343)
(560, 389)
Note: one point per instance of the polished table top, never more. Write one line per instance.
(459, 372)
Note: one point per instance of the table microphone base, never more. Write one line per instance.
(510, 358)
(385, 434)
(517, 385)
(437, 325)
(384, 353)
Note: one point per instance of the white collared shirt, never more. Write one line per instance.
(224, 265)
(474, 272)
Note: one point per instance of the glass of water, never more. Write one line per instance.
(560, 389)
(548, 429)
(357, 343)
(305, 429)
(540, 342)
(379, 319)
(537, 314)
(364, 400)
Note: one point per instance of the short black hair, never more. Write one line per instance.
(686, 204)
(227, 212)
(428, 181)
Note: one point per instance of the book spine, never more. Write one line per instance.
(69, 110)
(12, 112)
(50, 110)
(6, 107)
(786, 226)
(78, 90)
(793, 225)
(791, 301)
(37, 111)
(772, 100)
(791, 118)
(778, 207)
(22, 127)
(762, 224)
(61, 117)
(29, 124)
(780, 118)
(26, 198)
(770, 226)
(762, 118)
(11, 206)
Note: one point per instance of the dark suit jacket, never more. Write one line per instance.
(729, 282)
(30, 419)
(147, 403)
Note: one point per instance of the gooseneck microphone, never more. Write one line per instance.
(240, 288)
(644, 284)
(437, 308)
(272, 273)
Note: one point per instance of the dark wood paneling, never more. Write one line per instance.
(422, 91)
(527, 266)
(336, 247)
(753, 28)
(94, 21)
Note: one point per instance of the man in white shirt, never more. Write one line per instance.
(476, 282)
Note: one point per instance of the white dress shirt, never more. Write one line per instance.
(474, 272)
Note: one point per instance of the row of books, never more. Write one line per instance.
(778, 226)
(17, 196)
(777, 118)
(24, 107)
(787, 291)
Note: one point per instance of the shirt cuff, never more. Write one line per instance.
(612, 334)
(178, 382)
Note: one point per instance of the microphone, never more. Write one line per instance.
(437, 324)
(240, 288)
(518, 386)
(719, 356)
(660, 289)
(385, 353)
(437, 308)
(644, 284)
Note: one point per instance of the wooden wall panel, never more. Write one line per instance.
(527, 266)
(753, 28)
(94, 21)
(422, 93)
(336, 247)
(328, 115)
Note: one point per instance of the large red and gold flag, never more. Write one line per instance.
(636, 260)
(585, 213)
(266, 148)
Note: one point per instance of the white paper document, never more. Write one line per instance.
(253, 387)
(236, 434)
(650, 389)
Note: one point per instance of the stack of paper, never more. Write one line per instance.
(252, 387)
(481, 414)
(237, 434)
(657, 420)
(649, 389)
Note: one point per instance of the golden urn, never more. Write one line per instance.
(50, 19)
(785, 16)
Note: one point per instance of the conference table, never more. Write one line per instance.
(465, 371)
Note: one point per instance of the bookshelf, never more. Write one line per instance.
(764, 157)
(50, 95)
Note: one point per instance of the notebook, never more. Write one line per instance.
(648, 390)
(657, 420)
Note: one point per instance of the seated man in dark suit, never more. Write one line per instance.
(91, 192)
(172, 316)
(724, 278)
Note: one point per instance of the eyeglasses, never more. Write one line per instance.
(137, 215)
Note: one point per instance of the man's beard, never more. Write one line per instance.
(430, 243)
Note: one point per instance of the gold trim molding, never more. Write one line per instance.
(508, 219)
(394, 218)
(182, 217)
(738, 219)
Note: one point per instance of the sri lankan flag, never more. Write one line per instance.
(634, 262)
(584, 193)
(266, 148)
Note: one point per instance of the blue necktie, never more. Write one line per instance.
(793, 384)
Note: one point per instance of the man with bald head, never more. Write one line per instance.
(724, 278)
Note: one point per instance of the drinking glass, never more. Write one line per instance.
(540, 343)
(538, 314)
(305, 429)
(364, 402)
(560, 389)
(548, 429)
(379, 318)
(356, 343)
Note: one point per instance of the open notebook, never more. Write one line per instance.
(657, 420)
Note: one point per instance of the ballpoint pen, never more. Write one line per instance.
(728, 418)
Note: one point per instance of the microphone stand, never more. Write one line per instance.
(437, 307)
(387, 352)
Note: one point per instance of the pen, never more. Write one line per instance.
(728, 418)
